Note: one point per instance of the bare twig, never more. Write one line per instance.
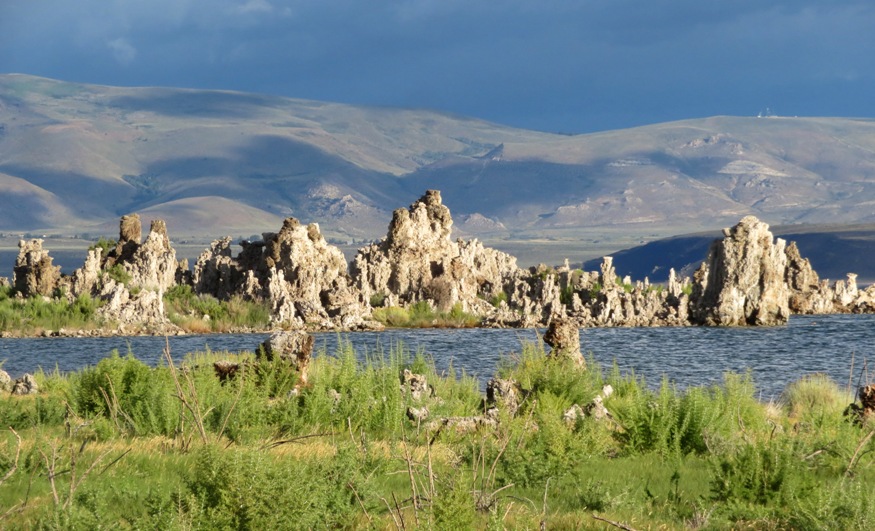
(400, 514)
(241, 377)
(361, 504)
(409, 462)
(50, 472)
(392, 513)
(74, 482)
(613, 523)
(544, 505)
(181, 395)
(294, 440)
(17, 455)
(114, 461)
(851, 372)
(857, 451)
(431, 489)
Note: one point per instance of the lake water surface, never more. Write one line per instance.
(688, 356)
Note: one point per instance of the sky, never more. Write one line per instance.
(569, 66)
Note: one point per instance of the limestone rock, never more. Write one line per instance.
(147, 269)
(304, 280)
(742, 282)
(866, 409)
(417, 414)
(563, 335)
(416, 385)
(296, 348)
(808, 295)
(5, 381)
(595, 409)
(87, 278)
(153, 264)
(573, 414)
(26, 385)
(34, 273)
(418, 261)
(504, 394)
(130, 234)
(463, 425)
(145, 307)
(216, 271)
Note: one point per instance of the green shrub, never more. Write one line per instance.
(755, 473)
(422, 312)
(697, 421)
(105, 244)
(422, 315)
(249, 489)
(138, 399)
(815, 398)
(392, 316)
(378, 299)
(498, 299)
(187, 310)
(118, 273)
(38, 313)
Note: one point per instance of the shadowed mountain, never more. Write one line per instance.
(833, 251)
(74, 157)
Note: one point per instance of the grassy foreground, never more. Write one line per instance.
(123, 445)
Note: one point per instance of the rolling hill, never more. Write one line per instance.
(74, 157)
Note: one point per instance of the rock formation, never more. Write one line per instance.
(866, 409)
(294, 348)
(302, 278)
(5, 381)
(748, 279)
(26, 385)
(503, 394)
(130, 234)
(418, 261)
(34, 273)
(563, 335)
(143, 273)
(743, 281)
(131, 280)
(152, 265)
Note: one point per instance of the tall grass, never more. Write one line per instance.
(35, 314)
(205, 313)
(117, 444)
(422, 315)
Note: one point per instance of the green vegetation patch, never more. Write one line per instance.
(422, 315)
(35, 314)
(175, 447)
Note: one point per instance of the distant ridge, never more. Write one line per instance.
(833, 251)
(74, 157)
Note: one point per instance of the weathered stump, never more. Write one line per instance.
(296, 348)
(563, 335)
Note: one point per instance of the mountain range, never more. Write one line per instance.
(75, 157)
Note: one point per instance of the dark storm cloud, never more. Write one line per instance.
(547, 64)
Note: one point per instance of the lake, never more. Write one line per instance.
(688, 356)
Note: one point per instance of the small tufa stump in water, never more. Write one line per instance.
(866, 409)
(296, 348)
(563, 335)
(226, 370)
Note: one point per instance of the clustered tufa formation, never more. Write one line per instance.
(748, 279)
